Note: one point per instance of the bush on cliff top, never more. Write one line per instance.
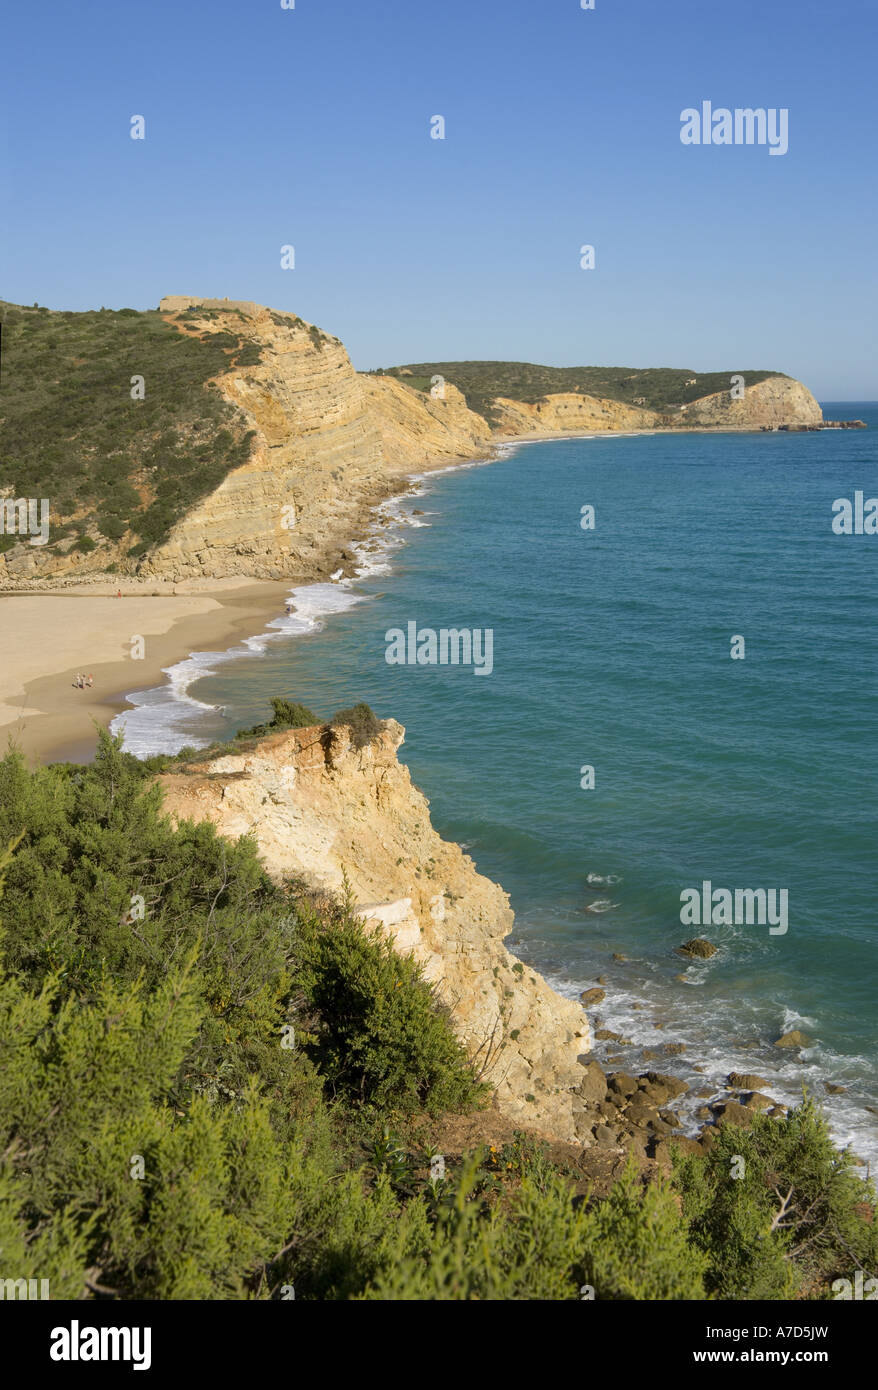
(161, 1138)
(287, 715)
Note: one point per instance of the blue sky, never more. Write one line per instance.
(311, 127)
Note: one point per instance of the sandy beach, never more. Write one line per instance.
(49, 637)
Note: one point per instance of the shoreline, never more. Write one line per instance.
(51, 720)
(49, 724)
(47, 716)
(227, 612)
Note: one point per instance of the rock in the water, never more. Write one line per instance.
(593, 996)
(834, 1090)
(698, 947)
(795, 1038)
(746, 1081)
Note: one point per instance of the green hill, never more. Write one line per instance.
(114, 467)
(657, 388)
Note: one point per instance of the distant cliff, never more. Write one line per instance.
(321, 810)
(276, 448)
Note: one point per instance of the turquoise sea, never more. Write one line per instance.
(611, 648)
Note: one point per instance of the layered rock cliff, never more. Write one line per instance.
(329, 444)
(776, 400)
(322, 810)
(569, 411)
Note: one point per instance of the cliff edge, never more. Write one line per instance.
(321, 809)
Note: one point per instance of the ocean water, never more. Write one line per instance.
(612, 648)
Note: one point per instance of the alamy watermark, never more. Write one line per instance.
(25, 516)
(857, 518)
(450, 646)
(75, 1343)
(744, 126)
(726, 907)
(31, 1289)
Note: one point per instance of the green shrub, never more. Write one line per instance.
(381, 1036)
(363, 723)
(287, 715)
(160, 1138)
(778, 1210)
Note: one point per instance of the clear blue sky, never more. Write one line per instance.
(312, 127)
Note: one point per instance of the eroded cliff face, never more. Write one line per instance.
(779, 400)
(323, 811)
(776, 401)
(329, 444)
(569, 412)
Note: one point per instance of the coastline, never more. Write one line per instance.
(51, 720)
(51, 636)
(214, 615)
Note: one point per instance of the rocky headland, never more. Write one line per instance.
(327, 443)
(339, 818)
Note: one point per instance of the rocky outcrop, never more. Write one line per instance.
(329, 444)
(569, 412)
(775, 401)
(325, 810)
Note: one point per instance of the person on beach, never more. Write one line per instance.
(90, 681)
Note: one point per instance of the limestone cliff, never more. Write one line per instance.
(569, 411)
(775, 401)
(329, 444)
(322, 810)
(778, 400)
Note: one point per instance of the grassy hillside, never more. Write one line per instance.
(481, 382)
(114, 469)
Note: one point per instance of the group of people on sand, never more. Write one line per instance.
(83, 682)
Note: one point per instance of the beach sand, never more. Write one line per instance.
(48, 637)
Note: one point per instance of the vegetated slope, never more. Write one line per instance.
(656, 388)
(215, 1086)
(118, 472)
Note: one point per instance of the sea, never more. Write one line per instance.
(682, 692)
